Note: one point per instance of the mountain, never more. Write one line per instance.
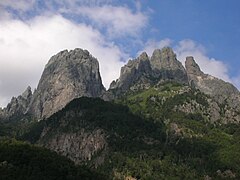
(223, 92)
(67, 75)
(161, 120)
(144, 72)
(143, 136)
(208, 84)
(18, 107)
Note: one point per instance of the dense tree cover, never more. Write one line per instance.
(203, 147)
(126, 131)
(141, 141)
(20, 160)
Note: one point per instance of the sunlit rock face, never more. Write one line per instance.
(145, 71)
(68, 75)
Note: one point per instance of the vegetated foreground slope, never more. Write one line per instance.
(195, 131)
(20, 160)
(164, 142)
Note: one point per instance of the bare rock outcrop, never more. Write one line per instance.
(222, 92)
(79, 146)
(18, 106)
(208, 84)
(166, 66)
(68, 75)
(143, 72)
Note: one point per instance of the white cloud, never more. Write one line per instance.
(118, 20)
(151, 45)
(25, 47)
(207, 64)
(22, 5)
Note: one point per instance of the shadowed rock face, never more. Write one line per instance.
(135, 71)
(67, 75)
(143, 71)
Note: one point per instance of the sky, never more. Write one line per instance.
(31, 31)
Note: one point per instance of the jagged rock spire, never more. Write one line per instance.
(192, 67)
(143, 71)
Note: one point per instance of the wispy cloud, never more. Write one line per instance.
(32, 31)
(118, 21)
(27, 46)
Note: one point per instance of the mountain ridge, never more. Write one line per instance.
(75, 73)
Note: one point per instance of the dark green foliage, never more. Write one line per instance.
(202, 147)
(141, 143)
(15, 127)
(24, 161)
(125, 130)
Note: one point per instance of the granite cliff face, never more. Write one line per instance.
(143, 72)
(68, 75)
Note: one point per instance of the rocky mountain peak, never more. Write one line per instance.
(221, 91)
(27, 93)
(67, 75)
(18, 106)
(192, 67)
(168, 52)
(143, 57)
(132, 72)
(166, 66)
(165, 59)
(143, 71)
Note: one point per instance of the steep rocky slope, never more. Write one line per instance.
(18, 106)
(67, 75)
(144, 72)
(73, 74)
(208, 84)
(87, 130)
(222, 92)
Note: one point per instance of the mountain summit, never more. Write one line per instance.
(221, 91)
(73, 74)
(68, 75)
(144, 72)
